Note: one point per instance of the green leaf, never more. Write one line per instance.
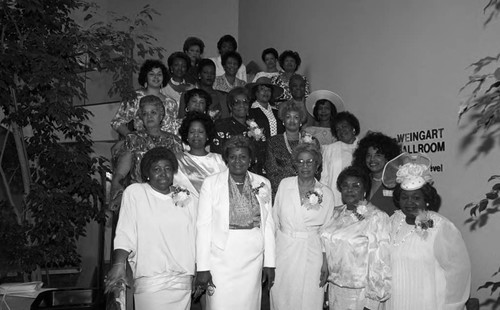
(491, 195)
(483, 204)
(496, 187)
(469, 205)
(473, 211)
(493, 177)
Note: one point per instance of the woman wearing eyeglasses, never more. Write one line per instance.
(301, 207)
(356, 241)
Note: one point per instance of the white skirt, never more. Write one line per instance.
(237, 271)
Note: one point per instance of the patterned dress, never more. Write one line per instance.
(138, 143)
(278, 80)
(279, 161)
(222, 84)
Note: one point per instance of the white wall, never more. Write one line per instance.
(399, 66)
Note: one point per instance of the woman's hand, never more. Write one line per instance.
(204, 282)
(268, 277)
(115, 277)
(324, 272)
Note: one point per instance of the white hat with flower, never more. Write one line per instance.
(412, 171)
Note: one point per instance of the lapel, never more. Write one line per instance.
(255, 182)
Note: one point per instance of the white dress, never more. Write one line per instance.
(299, 254)
(160, 237)
(430, 271)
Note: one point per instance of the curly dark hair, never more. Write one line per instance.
(236, 142)
(179, 55)
(234, 55)
(155, 155)
(385, 145)
(227, 38)
(204, 119)
(349, 118)
(149, 65)
(191, 41)
(269, 50)
(289, 53)
(431, 196)
(356, 172)
(205, 62)
(200, 93)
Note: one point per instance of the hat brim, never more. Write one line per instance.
(277, 91)
(326, 95)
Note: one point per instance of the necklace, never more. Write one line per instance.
(239, 183)
(394, 243)
(177, 83)
(288, 144)
(377, 179)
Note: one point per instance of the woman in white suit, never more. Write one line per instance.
(235, 247)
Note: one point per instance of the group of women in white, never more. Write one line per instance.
(351, 217)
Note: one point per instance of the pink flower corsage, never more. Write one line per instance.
(423, 223)
(180, 195)
(313, 199)
(262, 192)
(255, 131)
(359, 213)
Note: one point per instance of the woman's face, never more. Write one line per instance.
(155, 78)
(263, 93)
(178, 68)
(412, 202)
(352, 190)
(151, 115)
(196, 103)
(240, 106)
(238, 161)
(289, 65)
(297, 88)
(207, 76)
(231, 66)
(306, 165)
(161, 175)
(345, 132)
(194, 53)
(324, 112)
(270, 62)
(226, 47)
(375, 161)
(197, 135)
(292, 121)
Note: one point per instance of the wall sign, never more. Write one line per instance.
(424, 141)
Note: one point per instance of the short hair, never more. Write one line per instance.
(234, 55)
(312, 148)
(200, 93)
(430, 193)
(236, 142)
(204, 119)
(348, 117)
(227, 38)
(204, 63)
(149, 65)
(178, 55)
(192, 41)
(356, 172)
(289, 53)
(155, 155)
(291, 106)
(153, 100)
(231, 96)
(385, 145)
(269, 50)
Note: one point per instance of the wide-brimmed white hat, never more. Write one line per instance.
(324, 94)
(412, 171)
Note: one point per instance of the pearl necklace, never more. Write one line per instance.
(286, 142)
(396, 244)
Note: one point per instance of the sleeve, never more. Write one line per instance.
(330, 205)
(242, 73)
(204, 227)
(126, 113)
(269, 238)
(451, 254)
(126, 229)
(378, 285)
(276, 209)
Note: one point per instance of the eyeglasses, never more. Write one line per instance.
(309, 162)
(240, 102)
(355, 186)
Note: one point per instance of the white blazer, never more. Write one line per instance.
(213, 219)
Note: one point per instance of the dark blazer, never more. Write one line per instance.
(260, 118)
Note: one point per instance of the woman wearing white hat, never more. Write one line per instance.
(323, 105)
(430, 263)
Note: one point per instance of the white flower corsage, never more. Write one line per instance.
(213, 113)
(313, 199)
(263, 192)
(359, 213)
(423, 223)
(255, 131)
(180, 195)
(306, 138)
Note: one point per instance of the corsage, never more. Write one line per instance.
(313, 199)
(255, 131)
(262, 192)
(180, 195)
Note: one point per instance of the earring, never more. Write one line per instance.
(427, 204)
(145, 84)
